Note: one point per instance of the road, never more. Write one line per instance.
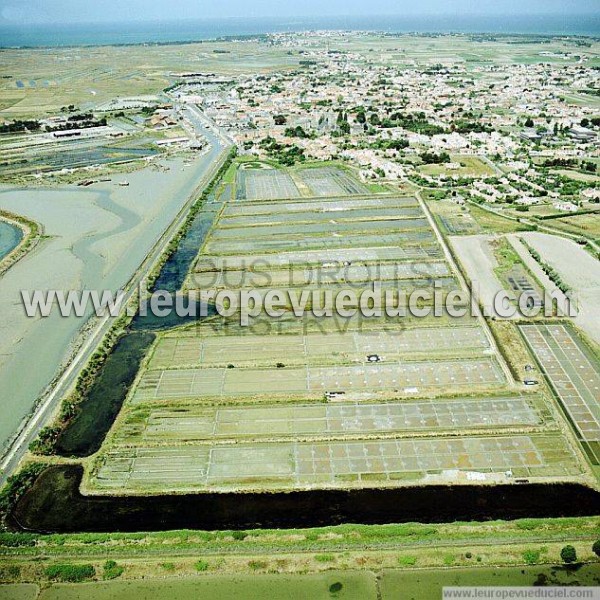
(44, 413)
(463, 283)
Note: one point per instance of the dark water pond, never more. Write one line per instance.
(54, 504)
(99, 409)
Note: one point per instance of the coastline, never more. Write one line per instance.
(32, 233)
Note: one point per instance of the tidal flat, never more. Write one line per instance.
(95, 238)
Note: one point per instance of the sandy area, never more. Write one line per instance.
(477, 259)
(579, 270)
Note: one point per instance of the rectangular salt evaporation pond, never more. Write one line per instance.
(318, 258)
(574, 373)
(331, 181)
(194, 423)
(401, 377)
(305, 241)
(331, 205)
(255, 184)
(288, 465)
(348, 227)
(313, 216)
(267, 350)
(280, 278)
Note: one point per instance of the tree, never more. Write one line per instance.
(585, 122)
(345, 127)
(596, 548)
(279, 120)
(568, 555)
(529, 122)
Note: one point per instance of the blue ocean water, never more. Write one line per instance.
(195, 30)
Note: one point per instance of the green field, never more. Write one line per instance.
(415, 585)
(465, 166)
(352, 586)
(391, 584)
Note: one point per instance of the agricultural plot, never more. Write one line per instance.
(399, 377)
(316, 348)
(330, 181)
(289, 465)
(194, 423)
(463, 166)
(575, 376)
(254, 184)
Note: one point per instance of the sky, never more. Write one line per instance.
(22, 12)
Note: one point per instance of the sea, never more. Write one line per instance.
(53, 35)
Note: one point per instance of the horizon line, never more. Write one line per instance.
(435, 15)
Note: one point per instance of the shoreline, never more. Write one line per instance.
(245, 37)
(32, 234)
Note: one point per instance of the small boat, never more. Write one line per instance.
(124, 183)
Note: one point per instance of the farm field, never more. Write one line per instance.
(39, 81)
(353, 585)
(464, 166)
(588, 225)
(387, 584)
